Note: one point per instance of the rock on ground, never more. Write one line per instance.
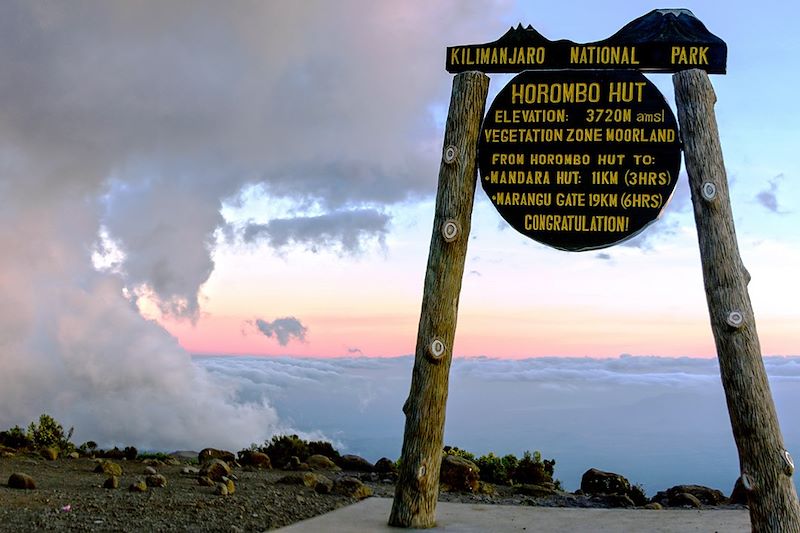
(459, 474)
(352, 488)
(206, 454)
(215, 469)
(108, 468)
(18, 480)
(354, 463)
(320, 462)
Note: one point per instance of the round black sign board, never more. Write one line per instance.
(579, 160)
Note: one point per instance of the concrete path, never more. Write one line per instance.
(371, 515)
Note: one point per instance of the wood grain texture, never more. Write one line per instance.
(773, 500)
(418, 482)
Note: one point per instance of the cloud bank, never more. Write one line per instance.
(660, 421)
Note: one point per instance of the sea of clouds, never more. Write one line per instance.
(660, 421)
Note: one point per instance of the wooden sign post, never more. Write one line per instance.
(579, 152)
(418, 481)
(765, 464)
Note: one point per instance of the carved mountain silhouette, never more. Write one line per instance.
(654, 35)
(678, 26)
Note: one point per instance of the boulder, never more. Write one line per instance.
(352, 488)
(309, 479)
(385, 466)
(323, 484)
(138, 486)
(320, 462)
(153, 463)
(221, 489)
(706, 495)
(318, 482)
(653, 506)
(207, 454)
(111, 482)
(215, 469)
(291, 479)
(614, 500)
(50, 453)
(230, 486)
(684, 499)
(150, 471)
(459, 474)
(354, 463)
(255, 459)
(5, 451)
(190, 471)
(596, 481)
(74, 455)
(294, 463)
(205, 481)
(108, 468)
(674, 496)
(18, 480)
(156, 480)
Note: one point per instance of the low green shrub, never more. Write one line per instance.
(458, 452)
(508, 470)
(281, 447)
(15, 437)
(48, 432)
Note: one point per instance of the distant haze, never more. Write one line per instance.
(658, 421)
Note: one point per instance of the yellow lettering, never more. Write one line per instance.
(454, 56)
(695, 55)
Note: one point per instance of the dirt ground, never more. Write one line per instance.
(69, 497)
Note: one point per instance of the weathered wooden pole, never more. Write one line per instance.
(766, 466)
(418, 482)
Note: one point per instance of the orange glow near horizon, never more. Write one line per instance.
(555, 333)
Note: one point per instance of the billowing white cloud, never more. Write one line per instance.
(125, 127)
